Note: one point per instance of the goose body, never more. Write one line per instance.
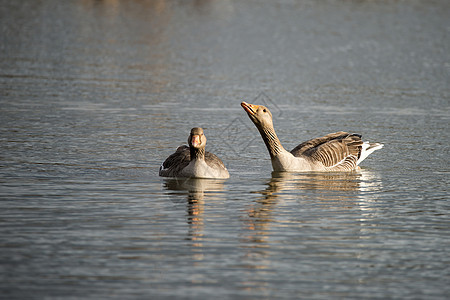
(339, 151)
(193, 161)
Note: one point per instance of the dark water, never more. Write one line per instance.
(96, 94)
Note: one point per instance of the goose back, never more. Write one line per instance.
(337, 151)
(176, 162)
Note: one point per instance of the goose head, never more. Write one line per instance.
(197, 139)
(259, 114)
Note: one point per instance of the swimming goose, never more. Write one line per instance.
(339, 151)
(193, 161)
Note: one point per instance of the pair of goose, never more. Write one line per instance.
(339, 151)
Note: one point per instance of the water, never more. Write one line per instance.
(96, 94)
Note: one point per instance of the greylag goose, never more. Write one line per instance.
(339, 151)
(193, 161)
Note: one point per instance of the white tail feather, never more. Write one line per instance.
(367, 149)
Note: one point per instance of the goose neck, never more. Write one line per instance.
(271, 140)
(197, 153)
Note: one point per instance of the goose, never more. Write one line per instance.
(193, 161)
(335, 152)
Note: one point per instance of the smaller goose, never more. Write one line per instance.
(193, 161)
(339, 151)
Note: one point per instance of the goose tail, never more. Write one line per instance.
(367, 149)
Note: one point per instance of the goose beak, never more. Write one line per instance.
(249, 108)
(195, 140)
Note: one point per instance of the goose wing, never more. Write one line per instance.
(176, 162)
(213, 161)
(337, 151)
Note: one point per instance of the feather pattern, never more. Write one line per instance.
(175, 162)
(337, 151)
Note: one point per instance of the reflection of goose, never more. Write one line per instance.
(319, 185)
(193, 161)
(194, 185)
(195, 188)
(348, 181)
(339, 151)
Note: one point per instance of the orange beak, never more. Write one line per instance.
(195, 140)
(249, 108)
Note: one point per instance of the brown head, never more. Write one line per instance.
(260, 115)
(262, 118)
(197, 139)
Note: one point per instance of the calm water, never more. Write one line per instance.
(96, 94)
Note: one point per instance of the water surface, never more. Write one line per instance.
(96, 94)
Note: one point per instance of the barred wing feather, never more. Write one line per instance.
(337, 151)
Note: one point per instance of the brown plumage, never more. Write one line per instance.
(193, 160)
(339, 151)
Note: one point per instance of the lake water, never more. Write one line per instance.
(96, 94)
